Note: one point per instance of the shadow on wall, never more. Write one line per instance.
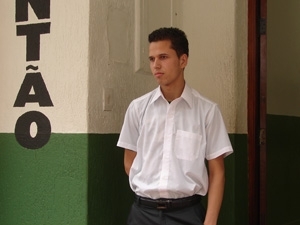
(109, 194)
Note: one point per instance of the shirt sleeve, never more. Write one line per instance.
(217, 138)
(130, 129)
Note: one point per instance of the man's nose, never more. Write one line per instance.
(156, 63)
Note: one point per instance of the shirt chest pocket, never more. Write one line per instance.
(187, 145)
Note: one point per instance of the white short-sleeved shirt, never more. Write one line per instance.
(172, 142)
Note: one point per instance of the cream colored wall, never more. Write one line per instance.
(217, 66)
(92, 48)
(218, 50)
(241, 64)
(111, 65)
(63, 64)
(283, 46)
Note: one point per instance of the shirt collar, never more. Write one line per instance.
(157, 94)
(186, 95)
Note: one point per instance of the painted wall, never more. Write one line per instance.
(283, 120)
(65, 168)
(43, 97)
(218, 61)
(217, 66)
(111, 64)
(283, 58)
(62, 62)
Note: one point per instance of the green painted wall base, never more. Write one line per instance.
(46, 186)
(78, 179)
(109, 194)
(283, 170)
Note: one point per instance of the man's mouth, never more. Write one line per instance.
(158, 74)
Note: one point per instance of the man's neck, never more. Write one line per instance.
(171, 93)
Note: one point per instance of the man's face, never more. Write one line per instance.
(165, 65)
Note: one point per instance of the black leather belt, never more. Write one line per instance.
(164, 203)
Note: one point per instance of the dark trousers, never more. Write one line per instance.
(192, 215)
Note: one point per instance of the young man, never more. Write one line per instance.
(167, 135)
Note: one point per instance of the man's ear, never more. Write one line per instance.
(183, 60)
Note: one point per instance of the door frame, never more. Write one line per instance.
(257, 77)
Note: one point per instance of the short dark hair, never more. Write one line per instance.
(177, 37)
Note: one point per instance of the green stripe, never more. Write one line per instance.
(45, 186)
(283, 170)
(78, 179)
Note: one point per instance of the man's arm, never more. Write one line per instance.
(129, 156)
(215, 189)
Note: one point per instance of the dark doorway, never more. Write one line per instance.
(273, 112)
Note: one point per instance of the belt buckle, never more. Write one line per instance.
(163, 204)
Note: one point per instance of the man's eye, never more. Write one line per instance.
(163, 57)
(151, 59)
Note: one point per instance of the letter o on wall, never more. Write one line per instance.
(22, 130)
